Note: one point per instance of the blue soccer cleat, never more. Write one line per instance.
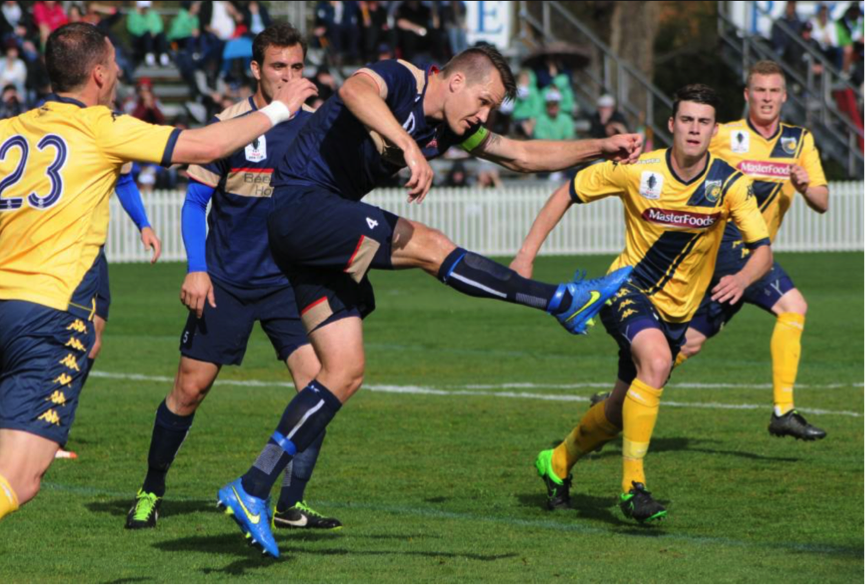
(251, 514)
(587, 298)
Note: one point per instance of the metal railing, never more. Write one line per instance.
(495, 222)
(812, 103)
(615, 75)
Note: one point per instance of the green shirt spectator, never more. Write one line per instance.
(553, 123)
(144, 20)
(183, 25)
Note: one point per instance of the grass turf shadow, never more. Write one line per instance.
(120, 507)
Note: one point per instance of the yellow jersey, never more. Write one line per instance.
(767, 163)
(59, 164)
(674, 227)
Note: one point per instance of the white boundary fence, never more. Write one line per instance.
(495, 221)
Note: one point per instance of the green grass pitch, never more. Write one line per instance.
(439, 486)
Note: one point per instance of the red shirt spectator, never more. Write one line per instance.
(48, 16)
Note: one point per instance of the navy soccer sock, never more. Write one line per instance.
(297, 475)
(304, 419)
(477, 276)
(169, 431)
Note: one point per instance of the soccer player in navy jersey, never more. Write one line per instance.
(388, 116)
(233, 282)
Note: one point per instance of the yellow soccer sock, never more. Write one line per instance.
(680, 359)
(786, 350)
(594, 430)
(8, 498)
(638, 415)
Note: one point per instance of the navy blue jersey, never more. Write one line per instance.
(336, 151)
(237, 246)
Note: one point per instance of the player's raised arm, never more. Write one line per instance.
(534, 156)
(216, 141)
(364, 97)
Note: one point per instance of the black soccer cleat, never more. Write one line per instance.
(558, 490)
(144, 511)
(794, 424)
(639, 504)
(302, 516)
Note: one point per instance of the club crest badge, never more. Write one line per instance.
(257, 151)
(651, 185)
(789, 145)
(712, 190)
(740, 141)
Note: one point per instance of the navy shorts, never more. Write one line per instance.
(711, 317)
(630, 312)
(221, 335)
(103, 293)
(43, 364)
(326, 245)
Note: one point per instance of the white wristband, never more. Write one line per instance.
(277, 111)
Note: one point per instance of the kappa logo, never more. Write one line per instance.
(257, 151)
(651, 185)
(410, 124)
(740, 141)
(628, 313)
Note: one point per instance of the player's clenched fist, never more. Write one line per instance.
(295, 92)
(623, 148)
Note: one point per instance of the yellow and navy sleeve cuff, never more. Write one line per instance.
(169, 148)
(572, 189)
(758, 243)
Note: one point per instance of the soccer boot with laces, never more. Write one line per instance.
(144, 511)
(251, 514)
(587, 299)
(793, 424)
(639, 504)
(302, 516)
(558, 490)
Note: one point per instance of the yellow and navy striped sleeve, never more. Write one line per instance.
(598, 181)
(123, 138)
(745, 213)
(810, 161)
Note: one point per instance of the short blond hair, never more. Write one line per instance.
(765, 67)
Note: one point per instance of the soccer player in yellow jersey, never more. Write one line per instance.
(59, 164)
(677, 202)
(782, 161)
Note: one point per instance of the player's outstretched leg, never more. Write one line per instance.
(573, 304)
(252, 514)
(291, 510)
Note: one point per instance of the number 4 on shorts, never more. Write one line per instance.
(371, 223)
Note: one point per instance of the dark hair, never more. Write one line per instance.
(279, 35)
(697, 93)
(475, 63)
(71, 53)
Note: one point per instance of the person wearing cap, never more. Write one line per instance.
(607, 120)
(148, 34)
(552, 122)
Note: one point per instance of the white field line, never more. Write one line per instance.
(479, 390)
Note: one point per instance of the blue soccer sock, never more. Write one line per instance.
(169, 432)
(304, 419)
(297, 475)
(477, 276)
